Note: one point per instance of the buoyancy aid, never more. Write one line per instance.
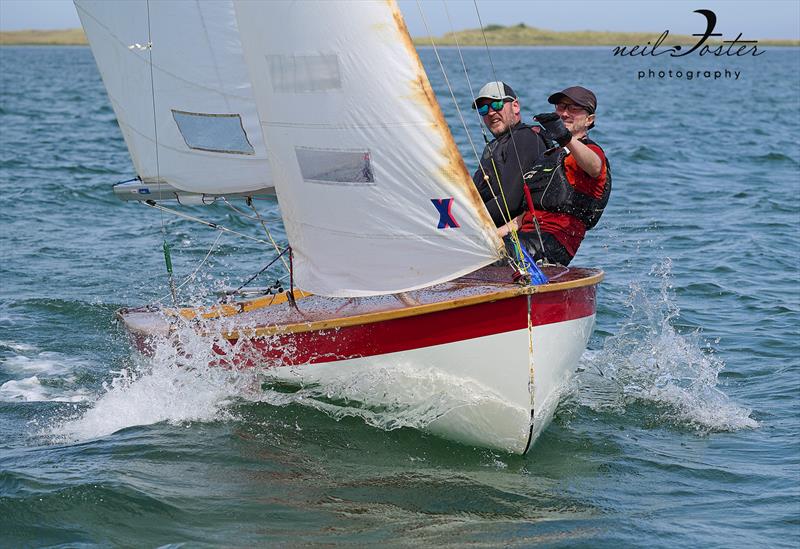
(552, 192)
(503, 161)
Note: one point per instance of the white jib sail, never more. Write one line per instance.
(209, 137)
(374, 194)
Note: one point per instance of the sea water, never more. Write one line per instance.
(681, 427)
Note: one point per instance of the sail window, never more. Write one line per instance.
(335, 167)
(304, 73)
(221, 133)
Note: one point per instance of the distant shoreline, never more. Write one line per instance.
(61, 37)
(495, 35)
(523, 35)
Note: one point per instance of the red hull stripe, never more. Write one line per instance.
(402, 334)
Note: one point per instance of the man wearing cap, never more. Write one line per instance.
(569, 185)
(515, 146)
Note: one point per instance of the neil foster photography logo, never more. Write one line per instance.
(727, 48)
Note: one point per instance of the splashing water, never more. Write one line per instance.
(649, 362)
(176, 386)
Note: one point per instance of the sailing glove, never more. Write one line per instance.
(553, 125)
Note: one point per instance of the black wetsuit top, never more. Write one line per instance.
(530, 146)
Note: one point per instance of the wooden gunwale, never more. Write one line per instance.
(381, 316)
(226, 309)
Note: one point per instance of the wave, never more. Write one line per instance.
(51, 376)
(184, 382)
(31, 389)
(174, 387)
(648, 362)
(420, 395)
(775, 157)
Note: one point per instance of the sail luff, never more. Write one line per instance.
(450, 151)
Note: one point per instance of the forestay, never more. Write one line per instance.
(375, 197)
(209, 139)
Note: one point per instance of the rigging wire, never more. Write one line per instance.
(506, 215)
(260, 220)
(447, 81)
(152, 204)
(223, 230)
(238, 211)
(469, 86)
(252, 278)
(513, 142)
(194, 273)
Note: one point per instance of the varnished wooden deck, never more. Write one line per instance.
(268, 315)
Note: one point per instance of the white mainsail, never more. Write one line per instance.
(209, 137)
(374, 194)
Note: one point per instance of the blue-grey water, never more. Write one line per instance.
(681, 429)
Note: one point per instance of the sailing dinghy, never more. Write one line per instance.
(392, 257)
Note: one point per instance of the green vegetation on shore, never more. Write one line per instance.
(496, 35)
(522, 35)
(64, 37)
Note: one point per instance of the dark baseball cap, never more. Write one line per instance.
(581, 96)
(496, 91)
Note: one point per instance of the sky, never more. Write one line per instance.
(754, 19)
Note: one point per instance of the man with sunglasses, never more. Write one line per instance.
(570, 184)
(515, 146)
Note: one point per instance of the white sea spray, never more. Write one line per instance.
(40, 376)
(648, 361)
(182, 382)
(31, 389)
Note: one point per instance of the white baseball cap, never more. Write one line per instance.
(496, 91)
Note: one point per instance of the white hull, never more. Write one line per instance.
(488, 377)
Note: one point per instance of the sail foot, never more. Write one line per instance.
(139, 191)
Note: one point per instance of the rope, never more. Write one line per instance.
(507, 215)
(447, 81)
(482, 127)
(252, 278)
